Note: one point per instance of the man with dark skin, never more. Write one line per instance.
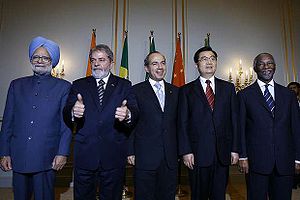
(269, 127)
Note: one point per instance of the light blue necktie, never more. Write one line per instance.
(269, 99)
(160, 95)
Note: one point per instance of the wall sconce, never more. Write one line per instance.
(59, 70)
(241, 81)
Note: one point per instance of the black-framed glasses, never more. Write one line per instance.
(44, 59)
(206, 59)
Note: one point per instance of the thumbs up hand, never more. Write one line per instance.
(78, 108)
(122, 113)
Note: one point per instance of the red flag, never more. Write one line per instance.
(178, 78)
(93, 45)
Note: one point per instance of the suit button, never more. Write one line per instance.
(31, 122)
(34, 107)
(29, 138)
(36, 94)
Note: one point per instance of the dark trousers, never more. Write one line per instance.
(110, 183)
(209, 182)
(40, 185)
(274, 186)
(158, 184)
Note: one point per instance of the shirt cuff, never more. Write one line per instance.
(243, 158)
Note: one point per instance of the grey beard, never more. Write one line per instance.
(41, 70)
(100, 74)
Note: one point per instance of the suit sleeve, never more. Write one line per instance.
(295, 123)
(72, 98)
(242, 125)
(184, 146)
(236, 141)
(7, 124)
(66, 134)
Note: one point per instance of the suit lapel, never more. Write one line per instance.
(279, 100)
(92, 87)
(198, 90)
(110, 87)
(260, 97)
(151, 95)
(219, 93)
(168, 96)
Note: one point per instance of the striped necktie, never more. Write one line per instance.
(160, 95)
(209, 94)
(101, 91)
(269, 99)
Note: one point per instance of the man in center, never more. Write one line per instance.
(153, 143)
(208, 130)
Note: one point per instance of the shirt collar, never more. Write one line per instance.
(152, 82)
(262, 84)
(212, 80)
(105, 79)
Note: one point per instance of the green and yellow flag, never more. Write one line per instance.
(124, 72)
(151, 49)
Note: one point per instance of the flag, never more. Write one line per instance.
(124, 73)
(93, 45)
(151, 49)
(178, 78)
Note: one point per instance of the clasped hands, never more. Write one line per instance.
(122, 113)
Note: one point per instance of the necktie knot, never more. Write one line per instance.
(208, 82)
(101, 82)
(157, 85)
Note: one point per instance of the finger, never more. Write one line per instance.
(124, 102)
(79, 98)
(9, 165)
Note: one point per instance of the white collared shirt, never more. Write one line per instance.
(204, 85)
(105, 79)
(270, 87)
(162, 83)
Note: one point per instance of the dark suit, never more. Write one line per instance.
(33, 132)
(210, 135)
(271, 144)
(154, 143)
(100, 148)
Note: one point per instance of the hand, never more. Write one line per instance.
(188, 160)
(297, 168)
(122, 112)
(59, 162)
(131, 159)
(234, 158)
(6, 163)
(78, 108)
(244, 166)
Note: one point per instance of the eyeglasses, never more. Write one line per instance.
(206, 59)
(44, 59)
(262, 64)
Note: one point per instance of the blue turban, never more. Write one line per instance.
(52, 48)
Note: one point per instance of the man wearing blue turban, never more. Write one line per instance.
(34, 141)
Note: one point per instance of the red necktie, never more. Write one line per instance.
(210, 94)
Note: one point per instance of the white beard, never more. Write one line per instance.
(99, 73)
(41, 69)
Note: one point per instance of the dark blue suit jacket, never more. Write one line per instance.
(265, 139)
(204, 132)
(154, 137)
(100, 140)
(33, 131)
